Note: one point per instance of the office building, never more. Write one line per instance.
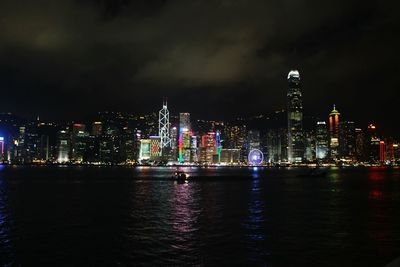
(334, 133)
(295, 118)
(321, 141)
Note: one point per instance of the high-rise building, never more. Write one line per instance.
(184, 145)
(309, 146)
(194, 149)
(276, 145)
(253, 140)
(97, 127)
(347, 140)
(334, 133)
(360, 145)
(78, 142)
(208, 147)
(382, 155)
(184, 121)
(230, 156)
(185, 134)
(163, 128)
(174, 143)
(31, 144)
(128, 144)
(396, 152)
(373, 144)
(234, 136)
(155, 148)
(47, 133)
(145, 150)
(321, 141)
(20, 146)
(63, 146)
(218, 145)
(295, 118)
(92, 152)
(110, 145)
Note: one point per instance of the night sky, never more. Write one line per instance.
(69, 59)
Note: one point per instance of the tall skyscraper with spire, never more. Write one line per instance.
(163, 127)
(334, 133)
(295, 118)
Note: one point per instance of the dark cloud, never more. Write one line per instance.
(233, 55)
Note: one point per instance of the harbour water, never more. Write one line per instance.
(117, 216)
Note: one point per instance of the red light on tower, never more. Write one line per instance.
(382, 151)
(334, 122)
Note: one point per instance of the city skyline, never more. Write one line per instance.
(128, 139)
(199, 133)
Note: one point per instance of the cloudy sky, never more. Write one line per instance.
(67, 59)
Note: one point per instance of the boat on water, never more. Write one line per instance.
(180, 176)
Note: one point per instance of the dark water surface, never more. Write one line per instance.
(89, 216)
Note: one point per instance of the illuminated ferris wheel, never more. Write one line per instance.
(255, 157)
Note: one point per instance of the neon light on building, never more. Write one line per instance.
(218, 146)
(184, 144)
(180, 145)
(208, 147)
(334, 132)
(334, 122)
(155, 147)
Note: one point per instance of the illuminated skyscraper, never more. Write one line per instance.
(276, 142)
(208, 147)
(184, 121)
(334, 132)
(321, 141)
(382, 156)
(63, 146)
(218, 145)
(174, 142)
(145, 150)
(194, 148)
(78, 142)
(155, 148)
(185, 134)
(347, 140)
(309, 146)
(163, 127)
(295, 118)
(374, 144)
(184, 145)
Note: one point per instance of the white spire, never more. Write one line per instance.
(164, 125)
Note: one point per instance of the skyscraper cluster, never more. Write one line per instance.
(283, 137)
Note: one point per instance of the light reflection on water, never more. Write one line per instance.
(252, 217)
(6, 247)
(254, 223)
(184, 216)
